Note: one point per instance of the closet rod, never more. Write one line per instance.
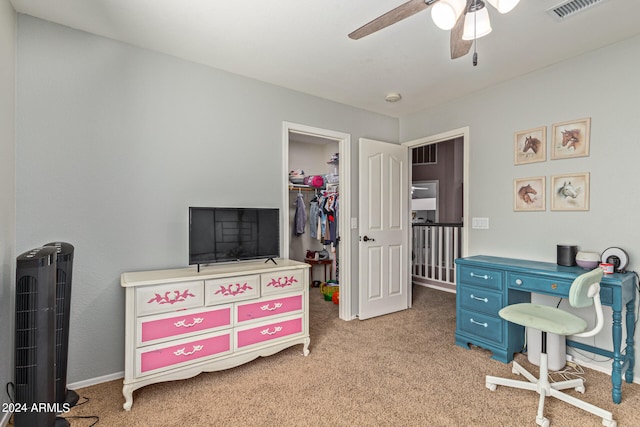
(301, 187)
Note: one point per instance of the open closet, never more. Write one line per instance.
(314, 203)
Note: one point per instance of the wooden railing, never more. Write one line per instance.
(435, 247)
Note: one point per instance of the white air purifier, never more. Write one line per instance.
(556, 349)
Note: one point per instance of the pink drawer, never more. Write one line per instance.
(283, 281)
(158, 358)
(266, 332)
(246, 312)
(160, 328)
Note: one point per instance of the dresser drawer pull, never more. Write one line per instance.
(479, 299)
(275, 331)
(181, 352)
(282, 282)
(518, 282)
(486, 325)
(275, 307)
(183, 323)
(167, 298)
(484, 276)
(233, 289)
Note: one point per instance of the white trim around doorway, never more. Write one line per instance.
(344, 215)
(445, 136)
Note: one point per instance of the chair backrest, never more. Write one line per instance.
(584, 292)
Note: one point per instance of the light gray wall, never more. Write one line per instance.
(602, 85)
(7, 190)
(115, 142)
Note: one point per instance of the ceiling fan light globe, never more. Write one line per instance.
(445, 13)
(504, 6)
(478, 27)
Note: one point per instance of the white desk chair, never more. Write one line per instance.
(584, 292)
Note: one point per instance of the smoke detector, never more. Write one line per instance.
(393, 97)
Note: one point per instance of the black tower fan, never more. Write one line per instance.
(35, 339)
(64, 262)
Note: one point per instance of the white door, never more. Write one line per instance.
(384, 228)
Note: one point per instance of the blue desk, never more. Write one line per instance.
(485, 284)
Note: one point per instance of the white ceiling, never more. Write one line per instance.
(303, 44)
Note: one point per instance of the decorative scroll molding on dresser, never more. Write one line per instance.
(179, 323)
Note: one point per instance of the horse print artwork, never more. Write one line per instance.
(570, 192)
(529, 194)
(531, 143)
(571, 139)
(530, 146)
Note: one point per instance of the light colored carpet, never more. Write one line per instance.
(402, 369)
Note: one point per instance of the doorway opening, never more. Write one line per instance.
(314, 151)
(439, 207)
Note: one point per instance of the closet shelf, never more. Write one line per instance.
(301, 187)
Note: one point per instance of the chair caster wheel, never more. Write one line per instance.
(491, 387)
(544, 422)
(580, 389)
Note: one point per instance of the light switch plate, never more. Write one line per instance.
(480, 223)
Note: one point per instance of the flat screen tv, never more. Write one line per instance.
(219, 234)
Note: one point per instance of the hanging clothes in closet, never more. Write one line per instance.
(323, 217)
(300, 218)
(313, 218)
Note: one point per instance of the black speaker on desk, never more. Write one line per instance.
(35, 338)
(64, 270)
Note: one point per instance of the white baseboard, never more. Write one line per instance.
(599, 368)
(94, 381)
(6, 416)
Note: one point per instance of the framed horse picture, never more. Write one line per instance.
(570, 192)
(530, 146)
(529, 194)
(571, 139)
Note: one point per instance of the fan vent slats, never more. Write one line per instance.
(571, 7)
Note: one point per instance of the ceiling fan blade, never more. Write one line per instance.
(401, 12)
(458, 46)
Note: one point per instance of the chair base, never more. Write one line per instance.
(544, 388)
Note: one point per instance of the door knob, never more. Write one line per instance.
(367, 238)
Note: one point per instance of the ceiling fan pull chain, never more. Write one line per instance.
(475, 39)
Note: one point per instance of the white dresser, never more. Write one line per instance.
(182, 322)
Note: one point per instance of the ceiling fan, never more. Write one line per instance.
(468, 20)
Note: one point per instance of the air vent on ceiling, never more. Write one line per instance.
(571, 7)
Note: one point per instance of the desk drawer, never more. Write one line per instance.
(538, 284)
(479, 299)
(481, 325)
(481, 277)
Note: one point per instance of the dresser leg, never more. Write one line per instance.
(305, 350)
(127, 392)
